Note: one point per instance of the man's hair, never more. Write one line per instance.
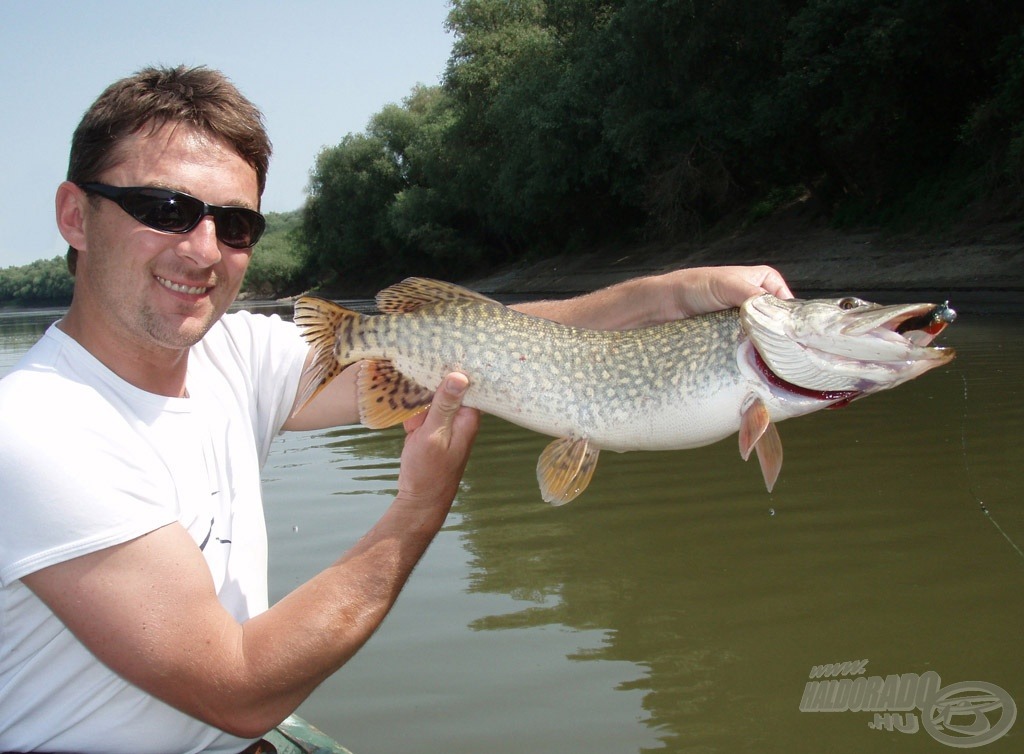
(199, 97)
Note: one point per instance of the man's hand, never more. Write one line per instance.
(708, 289)
(437, 447)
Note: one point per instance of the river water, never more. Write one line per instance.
(676, 605)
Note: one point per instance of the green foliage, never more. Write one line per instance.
(43, 282)
(776, 199)
(563, 123)
(879, 90)
(386, 202)
(996, 123)
(276, 267)
(350, 188)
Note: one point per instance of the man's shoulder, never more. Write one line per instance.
(58, 394)
(36, 377)
(254, 323)
(248, 338)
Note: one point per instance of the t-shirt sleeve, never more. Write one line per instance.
(268, 355)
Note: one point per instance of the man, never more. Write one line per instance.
(133, 599)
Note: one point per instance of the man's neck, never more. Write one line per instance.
(152, 368)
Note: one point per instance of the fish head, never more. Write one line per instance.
(845, 346)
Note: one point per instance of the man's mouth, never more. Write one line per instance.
(192, 290)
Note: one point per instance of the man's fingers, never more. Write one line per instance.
(447, 402)
(731, 286)
(437, 449)
(775, 284)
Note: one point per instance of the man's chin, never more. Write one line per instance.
(181, 332)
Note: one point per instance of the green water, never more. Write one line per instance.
(677, 606)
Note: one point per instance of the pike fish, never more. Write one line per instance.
(681, 384)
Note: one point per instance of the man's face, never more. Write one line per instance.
(162, 290)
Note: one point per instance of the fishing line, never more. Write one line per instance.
(970, 477)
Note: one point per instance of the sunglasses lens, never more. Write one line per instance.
(238, 227)
(162, 210)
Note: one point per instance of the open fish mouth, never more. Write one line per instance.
(847, 344)
(918, 324)
(921, 329)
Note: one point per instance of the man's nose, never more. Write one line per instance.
(201, 245)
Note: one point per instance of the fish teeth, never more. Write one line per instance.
(178, 288)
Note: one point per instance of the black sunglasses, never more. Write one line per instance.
(174, 212)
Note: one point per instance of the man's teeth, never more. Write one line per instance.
(178, 288)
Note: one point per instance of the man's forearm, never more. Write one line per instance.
(328, 619)
(623, 306)
(662, 298)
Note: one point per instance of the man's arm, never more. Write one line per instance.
(147, 608)
(662, 298)
(334, 406)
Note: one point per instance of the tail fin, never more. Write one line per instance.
(320, 322)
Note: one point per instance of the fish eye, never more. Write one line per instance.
(850, 302)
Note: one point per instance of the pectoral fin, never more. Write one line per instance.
(757, 431)
(769, 455)
(565, 468)
(387, 397)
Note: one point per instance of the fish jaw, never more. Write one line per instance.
(846, 345)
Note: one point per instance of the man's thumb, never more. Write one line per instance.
(448, 398)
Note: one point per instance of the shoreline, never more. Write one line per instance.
(979, 269)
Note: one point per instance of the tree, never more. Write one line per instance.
(43, 282)
(564, 123)
(276, 266)
(345, 217)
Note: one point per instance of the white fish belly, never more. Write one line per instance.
(690, 423)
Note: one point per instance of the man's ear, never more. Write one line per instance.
(70, 205)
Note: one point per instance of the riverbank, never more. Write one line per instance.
(976, 267)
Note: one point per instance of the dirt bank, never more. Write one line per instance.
(980, 267)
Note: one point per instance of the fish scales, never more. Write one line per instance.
(619, 389)
(680, 384)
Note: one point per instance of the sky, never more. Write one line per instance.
(317, 69)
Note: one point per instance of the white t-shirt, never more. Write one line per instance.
(88, 461)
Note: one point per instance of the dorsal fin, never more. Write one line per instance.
(412, 293)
